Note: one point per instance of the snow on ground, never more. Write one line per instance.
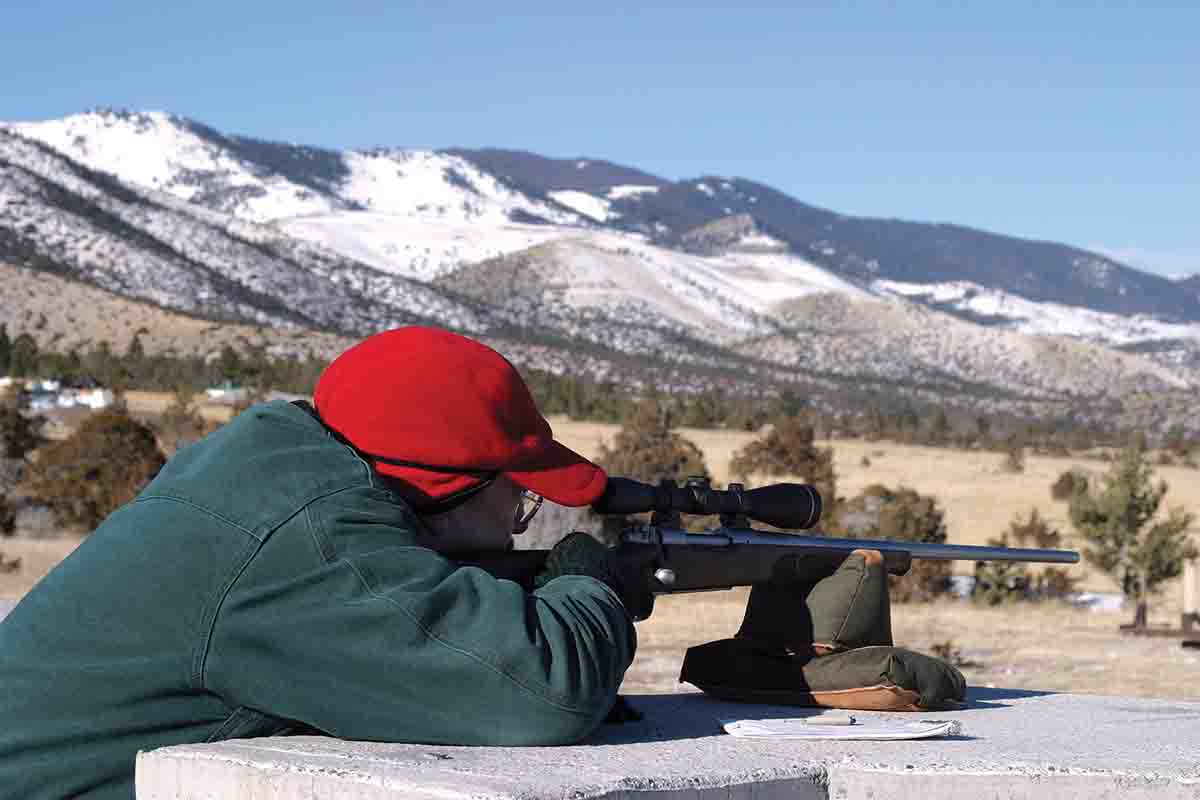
(415, 248)
(596, 208)
(629, 190)
(760, 241)
(430, 185)
(733, 293)
(153, 150)
(1028, 316)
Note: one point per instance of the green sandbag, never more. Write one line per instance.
(749, 671)
(846, 609)
(823, 639)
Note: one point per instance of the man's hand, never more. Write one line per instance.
(580, 554)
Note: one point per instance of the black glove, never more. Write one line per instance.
(580, 554)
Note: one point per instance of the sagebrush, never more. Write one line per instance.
(94, 471)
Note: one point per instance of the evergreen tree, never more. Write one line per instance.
(19, 433)
(5, 349)
(136, 352)
(1118, 522)
(23, 356)
(940, 430)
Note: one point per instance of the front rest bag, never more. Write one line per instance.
(816, 639)
(874, 678)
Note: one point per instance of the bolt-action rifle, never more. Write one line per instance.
(672, 560)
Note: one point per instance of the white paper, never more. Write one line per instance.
(868, 728)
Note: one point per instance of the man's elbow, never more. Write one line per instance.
(556, 725)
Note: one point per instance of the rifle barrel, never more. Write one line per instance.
(728, 537)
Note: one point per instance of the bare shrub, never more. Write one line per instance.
(999, 581)
(900, 514)
(949, 652)
(1014, 459)
(100, 467)
(788, 448)
(647, 450)
(179, 425)
(1067, 484)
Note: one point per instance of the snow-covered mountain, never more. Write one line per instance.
(58, 216)
(265, 181)
(714, 276)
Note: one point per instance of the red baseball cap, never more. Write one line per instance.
(441, 412)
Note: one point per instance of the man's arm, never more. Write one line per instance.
(343, 623)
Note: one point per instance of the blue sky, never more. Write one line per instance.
(1070, 122)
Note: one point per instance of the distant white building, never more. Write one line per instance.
(91, 398)
(226, 392)
(47, 393)
(43, 385)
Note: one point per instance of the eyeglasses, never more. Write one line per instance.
(526, 508)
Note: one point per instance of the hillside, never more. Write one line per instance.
(63, 314)
(593, 269)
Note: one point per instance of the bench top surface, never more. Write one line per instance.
(1010, 738)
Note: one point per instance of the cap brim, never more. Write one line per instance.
(562, 476)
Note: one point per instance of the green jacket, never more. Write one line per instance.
(264, 584)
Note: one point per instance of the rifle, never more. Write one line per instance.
(672, 560)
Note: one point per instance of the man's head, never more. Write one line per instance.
(450, 424)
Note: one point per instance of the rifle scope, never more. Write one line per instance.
(784, 505)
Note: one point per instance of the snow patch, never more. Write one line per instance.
(760, 241)
(154, 150)
(425, 185)
(596, 208)
(1051, 319)
(629, 190)
(422, 249)
(730, 295)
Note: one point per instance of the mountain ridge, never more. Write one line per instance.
(687, 284)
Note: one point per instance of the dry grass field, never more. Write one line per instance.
(1046, 647)
(979, 497)
(1049, 646)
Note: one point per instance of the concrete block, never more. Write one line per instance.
(1014, 744)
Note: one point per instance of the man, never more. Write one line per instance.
(293, 572)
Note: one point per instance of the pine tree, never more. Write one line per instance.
(23, 356)
(19, 433)
(940, 431)
(1118, 521)
(5, 349)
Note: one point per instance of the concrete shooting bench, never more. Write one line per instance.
(1013, 744)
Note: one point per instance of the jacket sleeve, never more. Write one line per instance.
(343, 623)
